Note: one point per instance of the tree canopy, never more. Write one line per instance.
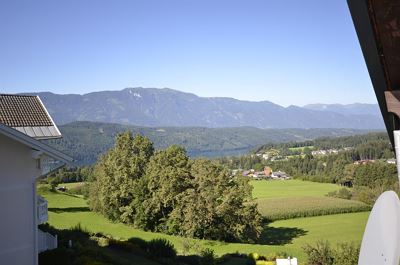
(166, 191)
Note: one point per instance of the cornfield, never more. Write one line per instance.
(287, 208)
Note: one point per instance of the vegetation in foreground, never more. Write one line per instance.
(66, 210)
(322, 253)
(126, 171)
(78, 246)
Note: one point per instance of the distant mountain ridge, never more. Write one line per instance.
(167, 107)
(355, 108)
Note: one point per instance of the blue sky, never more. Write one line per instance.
(285, 51)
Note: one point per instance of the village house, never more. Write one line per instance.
(24, 121)
(267, 171)
(363, 162)
(279, 175)
(391, 161)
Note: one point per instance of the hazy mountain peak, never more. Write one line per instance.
(168, 107)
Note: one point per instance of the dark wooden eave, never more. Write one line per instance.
(377, 23)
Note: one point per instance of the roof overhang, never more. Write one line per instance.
(377, 23)
(34, 144)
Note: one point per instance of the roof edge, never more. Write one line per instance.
(34, 144)
(48, 114)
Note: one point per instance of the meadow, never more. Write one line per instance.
(289, 236)
(290, 189)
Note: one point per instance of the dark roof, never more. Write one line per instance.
(377, 25)
(28, 115)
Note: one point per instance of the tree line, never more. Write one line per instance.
(368, 179)
(166, 191)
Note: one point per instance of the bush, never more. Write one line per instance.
(161, 248)
(254, 256)
(320, 254)
(207, 257)
(367, 195)
(343, 193)
(346, 254)
(323, 254)
(279, 255)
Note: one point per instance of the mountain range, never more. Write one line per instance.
(166, 107)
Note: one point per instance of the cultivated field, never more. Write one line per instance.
(288, 208)
(280, 236)
(294, 198)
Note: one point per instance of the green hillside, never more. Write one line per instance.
(86, 140)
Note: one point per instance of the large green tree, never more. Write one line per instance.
(198, 199)
(216, 206)
(167, 176)
(117, 174)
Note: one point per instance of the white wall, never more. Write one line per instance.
(17, 204)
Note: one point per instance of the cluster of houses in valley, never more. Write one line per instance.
(274, 155)
(330, 151)
(369, 161)
(266, 174)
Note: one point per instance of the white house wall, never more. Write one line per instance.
(17, 204)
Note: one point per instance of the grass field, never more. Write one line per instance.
(287, 236)
(290, 189)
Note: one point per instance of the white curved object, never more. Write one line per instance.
(381, 240)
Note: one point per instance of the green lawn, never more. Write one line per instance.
(290, 188)
(287, 235)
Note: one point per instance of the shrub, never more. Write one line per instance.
(254, 256)
(367, 195)
(323, 254)
(207, 257)
(343, 193)
(161, 248)
(274, 256)
(320, 254)
(346, 254)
